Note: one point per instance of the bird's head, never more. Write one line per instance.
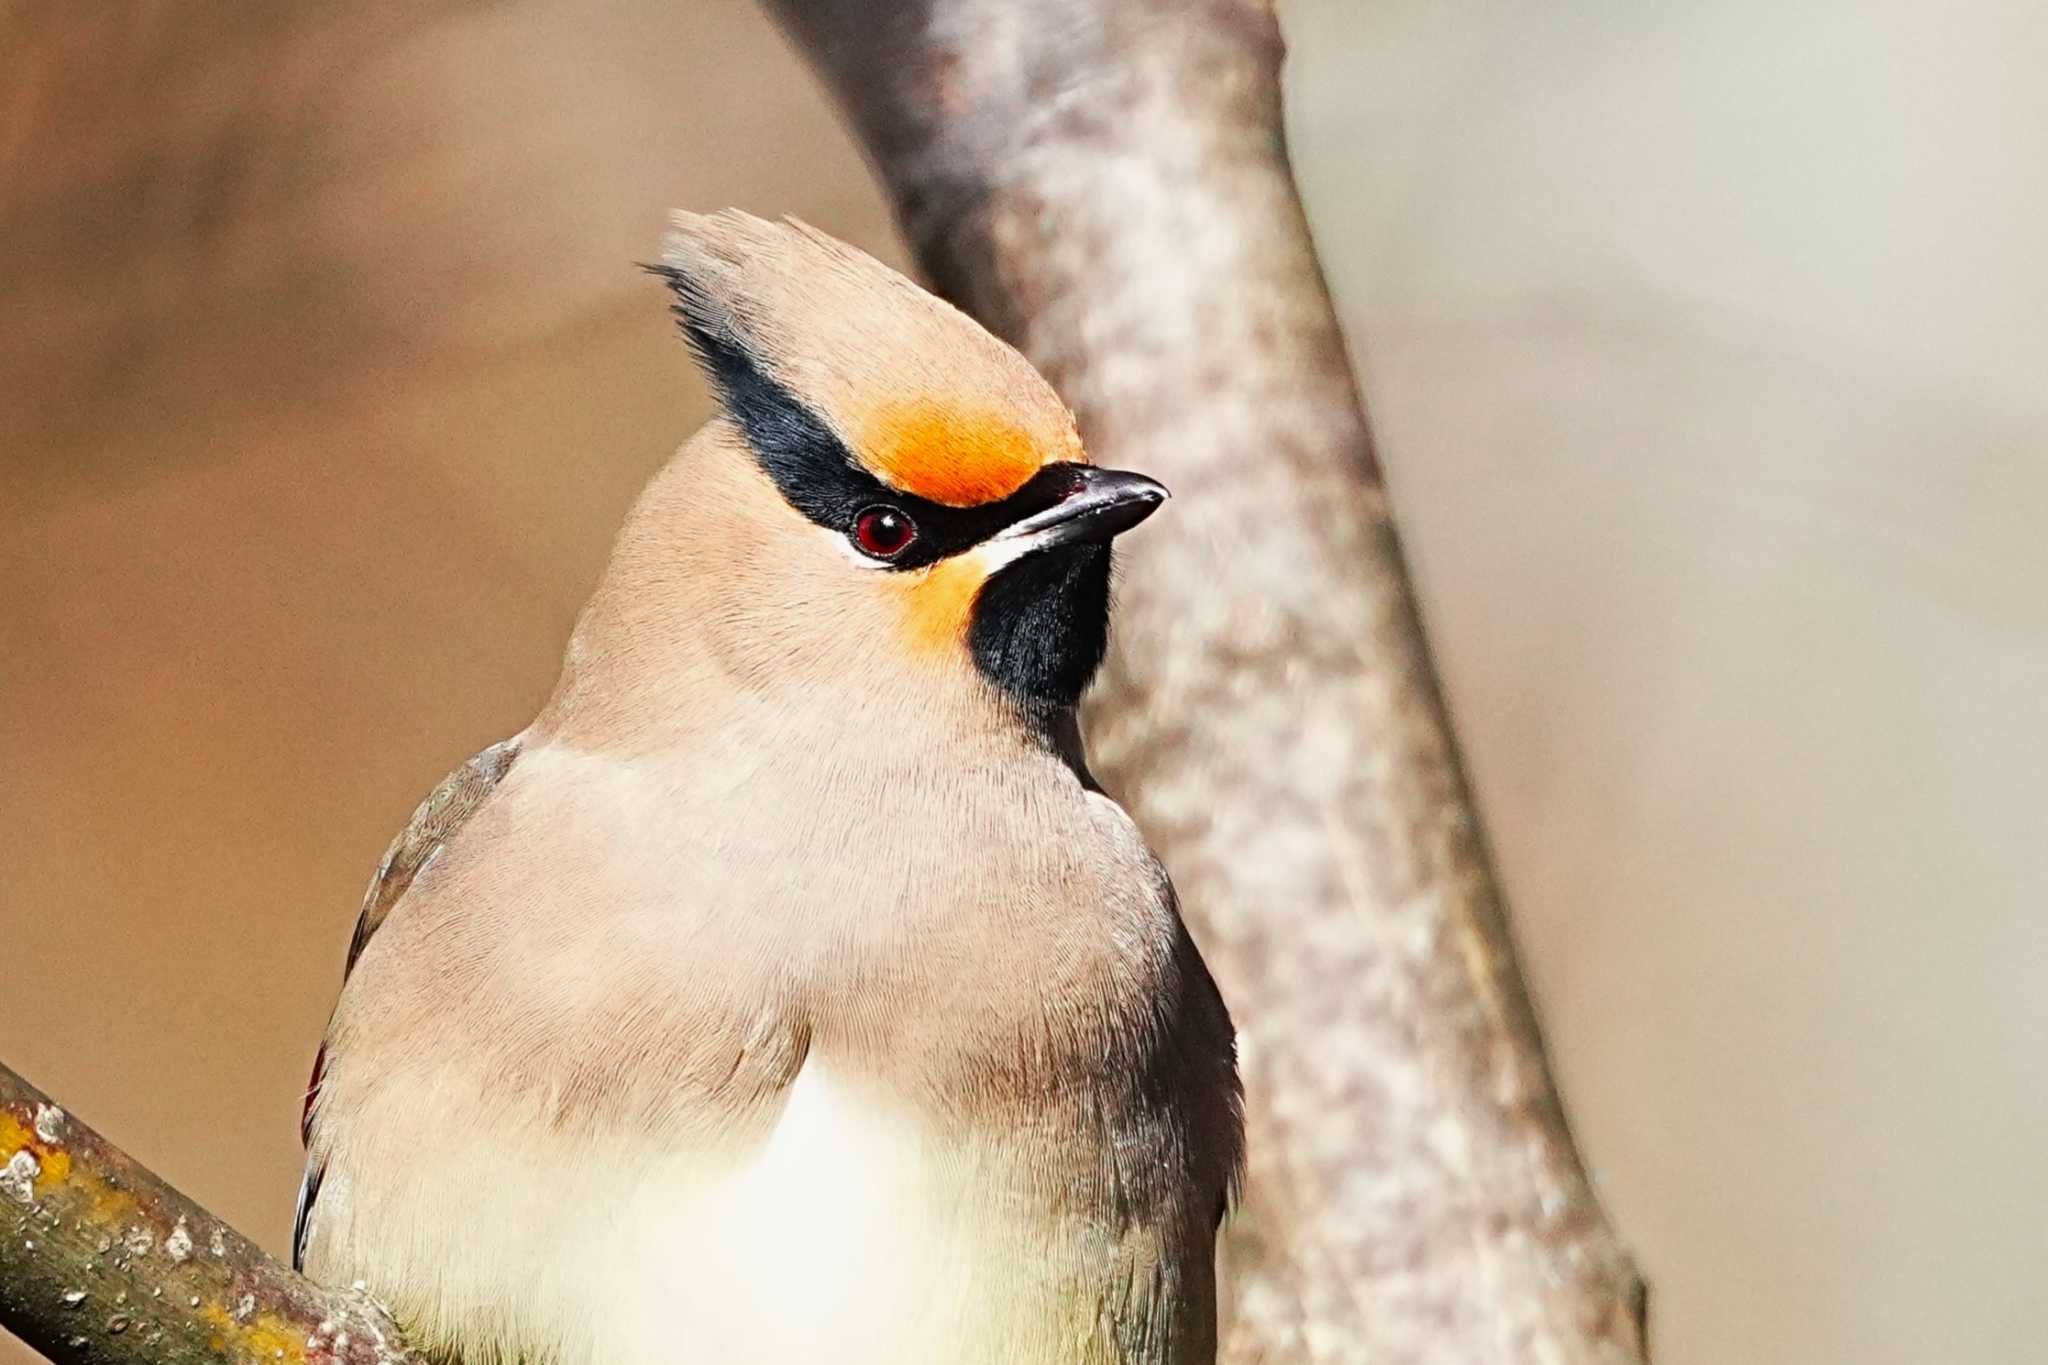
(888, 485)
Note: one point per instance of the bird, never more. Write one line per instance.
(789, 990)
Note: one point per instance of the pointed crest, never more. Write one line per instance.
(803, 336)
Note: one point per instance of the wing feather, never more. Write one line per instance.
(437, 821)
(433, 824)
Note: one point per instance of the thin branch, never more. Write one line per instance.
(1105, 182)
(102, 1263)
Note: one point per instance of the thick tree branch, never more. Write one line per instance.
(1105, 183)
(102, 1263)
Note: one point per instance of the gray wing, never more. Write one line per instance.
(436, 821)
(433, 824)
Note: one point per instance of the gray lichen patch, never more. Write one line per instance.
(178, 1246)
(18, 1177)
(49, 1122)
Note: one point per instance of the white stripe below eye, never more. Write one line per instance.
(844, 544)
(1007, 547)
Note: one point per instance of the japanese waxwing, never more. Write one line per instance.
(787, 991)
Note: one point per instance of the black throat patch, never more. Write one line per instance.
(1041, 626)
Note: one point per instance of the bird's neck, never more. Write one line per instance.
(631, 691)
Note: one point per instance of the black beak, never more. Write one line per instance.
(1083, 503)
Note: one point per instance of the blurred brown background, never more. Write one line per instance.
(1704, 346)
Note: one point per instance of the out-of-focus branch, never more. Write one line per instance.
(1105, 183)
(102, 1263)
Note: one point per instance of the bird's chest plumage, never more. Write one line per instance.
(839, 1229)
(676, 1121)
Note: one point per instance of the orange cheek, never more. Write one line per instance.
(939, 604)
(954, 458)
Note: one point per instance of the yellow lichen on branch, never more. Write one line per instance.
(102, 1261)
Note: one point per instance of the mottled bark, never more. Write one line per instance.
(1105, 183)
(102, 1263)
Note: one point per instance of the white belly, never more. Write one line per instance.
(847, 1235)
(836, 1241)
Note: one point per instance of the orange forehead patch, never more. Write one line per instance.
(959, 459)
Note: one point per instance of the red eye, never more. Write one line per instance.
(883, 532)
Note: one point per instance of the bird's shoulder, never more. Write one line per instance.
(435, 821)
(434, 824)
